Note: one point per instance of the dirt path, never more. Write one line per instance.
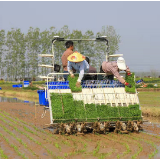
(23, 136)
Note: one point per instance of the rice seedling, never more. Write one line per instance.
(14, 147)
(2, 155)
(50, 152)
(29, 137)
(57, 146)
(37, 129)
(96, 149)
(104, 155)
(140, 148)
(119, 141)
(152, 154)
(24, 127)
(18, 139)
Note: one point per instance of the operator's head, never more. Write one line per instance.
(87, 59)
(121, 64)
(76, 57)
(69, 44)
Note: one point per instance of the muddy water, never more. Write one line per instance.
(17, 100)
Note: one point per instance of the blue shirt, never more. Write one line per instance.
(80, 68)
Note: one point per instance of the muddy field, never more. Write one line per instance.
(24, 134)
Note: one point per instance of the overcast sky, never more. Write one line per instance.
(138, 24)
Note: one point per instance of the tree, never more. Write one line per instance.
(33, 49)
(46, 48)
(15, 55)
(2, 44)
(114, 40)
(19, 51)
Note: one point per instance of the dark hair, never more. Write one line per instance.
(87, 59)
(101, 70)
(68, 44)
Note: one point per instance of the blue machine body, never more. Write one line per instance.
(17, 85)
(85, 84)
(42, 100)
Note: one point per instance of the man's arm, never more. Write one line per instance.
(128, 71)
(116, 74)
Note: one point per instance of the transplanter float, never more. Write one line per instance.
(99, 106)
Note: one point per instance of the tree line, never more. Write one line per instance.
(19, 51)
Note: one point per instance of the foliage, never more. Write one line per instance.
(56, 104)
(65, 107)
(20, 50)
(79, 110)
(135, 112)
(38, 82)
(30, 88)
(2, 43)
(68, 106)
(113, 113)
(103, 111)
(91, 111)
(130, 80)
(72, 84)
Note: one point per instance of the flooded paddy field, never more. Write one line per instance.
(24, 134)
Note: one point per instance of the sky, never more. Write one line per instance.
(137, 22)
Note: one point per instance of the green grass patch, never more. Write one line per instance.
(66, 109)
(56, 104)
(80, 112)
(30, 88)
(68, 106)
(72, 84)
(130, 80)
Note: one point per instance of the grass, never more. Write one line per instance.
(28, 136)
(18, 139)
(113, 138)
(2, 155)
(125, 143)
(152, 154)
(150, 103)
(13, 146)
(96, 149)
(72, 84)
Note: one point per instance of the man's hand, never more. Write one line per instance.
(129, 74)
(127, 84)
(72, 75)
(78, 84)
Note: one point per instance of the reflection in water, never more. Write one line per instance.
(12, 100)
